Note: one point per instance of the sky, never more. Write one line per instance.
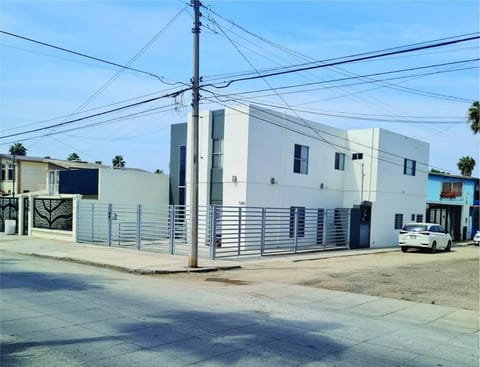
(41, 86)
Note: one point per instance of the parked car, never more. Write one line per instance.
(430, 236)
(476, 238)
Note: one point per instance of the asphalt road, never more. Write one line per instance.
(63, 314)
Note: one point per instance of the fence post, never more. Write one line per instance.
(295, 231)
(171, 235)
(139, 223)
(75, 216)
(213, 231)
(325, 214)
(348, 227)
(92, 224)
(262, 236)
(109, 224)
(239, 240)
(20, 214)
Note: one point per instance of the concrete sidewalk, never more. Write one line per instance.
(128, 260)
(150, 262)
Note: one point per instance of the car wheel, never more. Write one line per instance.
(434, 247)
(449, 246)
(404, 248)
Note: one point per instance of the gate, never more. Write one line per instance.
(8, 210)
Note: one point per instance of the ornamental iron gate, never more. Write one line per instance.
(8, 210)
(53, 213)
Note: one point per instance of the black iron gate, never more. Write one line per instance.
(8, 210)
(26, 208)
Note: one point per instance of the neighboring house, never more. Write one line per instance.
(251, 156)
(452, 201)
(30, 173)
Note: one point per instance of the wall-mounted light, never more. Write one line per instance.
(322, 186)
(234, 179)
(272, 181)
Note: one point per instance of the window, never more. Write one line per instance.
(451, 190)
(413, 217)
(340, 161)
(300, 161)
(356, 156)
(409, 167)
(419, 218)
(182, 165)
(398, 221)
(217, 153)
(300, 221)
(7, 171)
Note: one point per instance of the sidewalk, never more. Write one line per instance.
(149, 262)
(128, 260)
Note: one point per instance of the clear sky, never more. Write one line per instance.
(39, 84)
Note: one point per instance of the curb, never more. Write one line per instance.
(125, 269)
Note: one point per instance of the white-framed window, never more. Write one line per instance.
(409, 167)
(217, 153)
(300, 160)
(357, 156)
(451, 190)
(7, 171)
(340, 161)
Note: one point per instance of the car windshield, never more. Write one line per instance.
(414, 227)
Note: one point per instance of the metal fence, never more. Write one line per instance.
(53, 213)
(223, 231)
(8, 210)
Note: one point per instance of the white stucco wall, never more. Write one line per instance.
(128, 186)
(271, 141)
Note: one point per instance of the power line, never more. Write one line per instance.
(161, 79)
(351, 59)
(343, 115)
(174, 94)
(342, 147)
(350, 84)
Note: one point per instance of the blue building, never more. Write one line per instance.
(453, 202)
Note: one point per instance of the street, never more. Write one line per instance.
(62, 314)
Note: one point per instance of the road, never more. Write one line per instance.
(63, 314)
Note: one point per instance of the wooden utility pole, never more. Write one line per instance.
(193, 258)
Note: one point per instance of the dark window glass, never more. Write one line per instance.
(182, 165)
(398, 221)
(340, 161)
(300, 160)
(409, 166)
(356, 156)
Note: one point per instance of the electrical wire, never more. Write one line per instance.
(174, 94)
(160, 78)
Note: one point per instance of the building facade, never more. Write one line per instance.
(255, 157)
(452, 201)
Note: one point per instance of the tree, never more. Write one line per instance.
(73, 157)
(473, 117)
(118, 162)
(98, 162)
(466, 165)
(17, 149)
(158, 170)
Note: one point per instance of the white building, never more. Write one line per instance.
(251, 156)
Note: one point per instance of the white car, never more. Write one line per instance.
(430, 236)
(476, 238)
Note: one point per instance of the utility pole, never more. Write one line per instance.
(13, 176)
(193, 258)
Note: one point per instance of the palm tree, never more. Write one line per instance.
(473, 117)
(118, 162)
(73, 157)
(17, 149)
(466, 165)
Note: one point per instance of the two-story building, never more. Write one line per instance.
(452, 201)
(252, 156)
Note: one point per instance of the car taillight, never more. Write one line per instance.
(425, 233)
